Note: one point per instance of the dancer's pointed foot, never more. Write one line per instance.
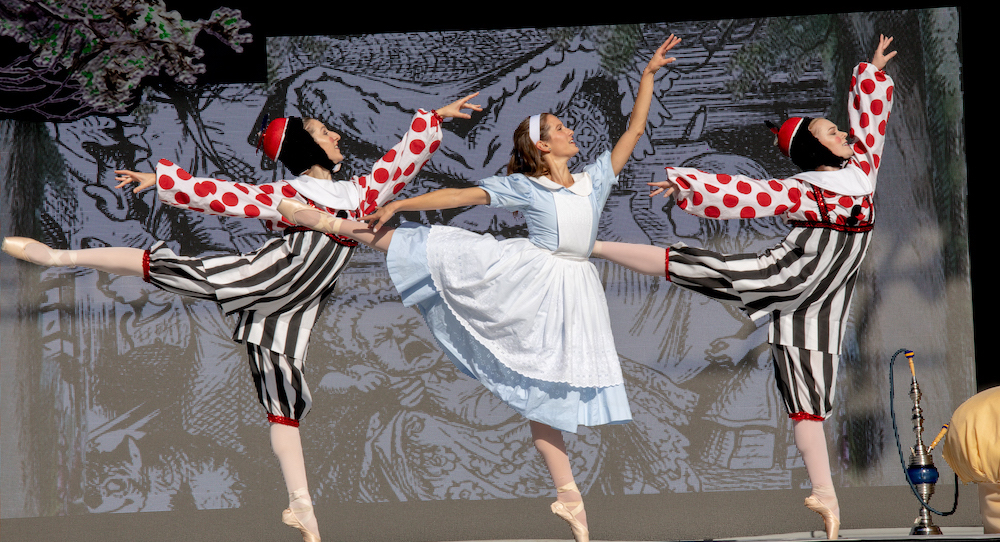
(569, 512)
(299, 512)
(37, 253)
(830, 519)
(296, 212)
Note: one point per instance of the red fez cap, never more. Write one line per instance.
(274, 137)
(786, 133)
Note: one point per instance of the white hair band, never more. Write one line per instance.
(535, 128)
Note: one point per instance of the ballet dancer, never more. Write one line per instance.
(806, 282)
(277, 290)
(526, 317)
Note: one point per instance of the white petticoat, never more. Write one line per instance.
(532, 326)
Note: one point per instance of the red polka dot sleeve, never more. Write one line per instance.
(868, 108)
(721, 196)
(179, 188)
(401, 164)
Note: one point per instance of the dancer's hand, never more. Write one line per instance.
(660, 59)
(124, 177)
(455, 108)
(666, 187)
(880, 58)
(380, 217)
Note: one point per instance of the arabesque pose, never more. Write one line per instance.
(806, 282)
(526, 317)
(277, 290)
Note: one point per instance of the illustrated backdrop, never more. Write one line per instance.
(118, 397)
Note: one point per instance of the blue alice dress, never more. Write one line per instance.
(526, 317)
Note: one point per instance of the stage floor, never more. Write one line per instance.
(949, 533)
(880, 535)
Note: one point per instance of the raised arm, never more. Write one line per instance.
(869, 104)
(445, 198)
(404, 161)
(637, 120)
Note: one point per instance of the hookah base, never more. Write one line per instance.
(925, 530)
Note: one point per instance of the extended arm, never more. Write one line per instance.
(720, 196)
(177, 187)
(637, 120)
(446, 198)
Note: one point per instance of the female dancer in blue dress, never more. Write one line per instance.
(277, 290)
(526, 317)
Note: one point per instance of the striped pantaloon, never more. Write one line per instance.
(805, 285)
(277, 292)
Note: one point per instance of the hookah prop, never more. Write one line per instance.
(921, 474)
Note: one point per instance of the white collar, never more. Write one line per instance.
(335, 194)
(582, 185)
(848, 181)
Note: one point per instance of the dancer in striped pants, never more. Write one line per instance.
(806, 282)
(277, 290)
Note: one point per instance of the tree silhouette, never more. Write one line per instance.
(80, 58)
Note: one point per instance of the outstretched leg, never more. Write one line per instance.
(569, 503)
(298, 213)
(116, 260)
(644, 259)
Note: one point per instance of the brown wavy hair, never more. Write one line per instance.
(525, 157)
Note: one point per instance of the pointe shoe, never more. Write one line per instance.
(563, 510)
(16, 247)
(830, 521)
(319, 220)
(289, 518)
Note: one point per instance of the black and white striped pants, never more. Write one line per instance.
(277, 291)
(805, 284)
(281, 385)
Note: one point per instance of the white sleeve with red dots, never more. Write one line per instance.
(721, 196)
(869, 104)
(213, 196)
(402, 163)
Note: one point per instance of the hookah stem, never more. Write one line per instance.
(895, 430)
(937, 439)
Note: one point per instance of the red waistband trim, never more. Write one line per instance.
(838, 227)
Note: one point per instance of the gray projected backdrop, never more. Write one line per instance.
(118, 397)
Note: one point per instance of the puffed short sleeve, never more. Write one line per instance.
(602, 174)
(513, 192)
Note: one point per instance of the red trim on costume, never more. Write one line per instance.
(828, 225)
(145, 265)
(825, 222)
(666, 264)
(799, 416)
(282, 420)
